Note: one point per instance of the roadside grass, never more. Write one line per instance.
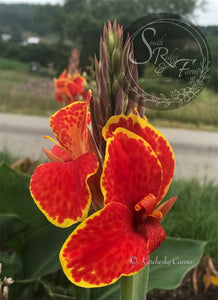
(194, 214)
(24, 93)
(201, 113)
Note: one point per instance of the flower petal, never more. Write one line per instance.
(152, 136)
(165, 207)
(131, 169)
(154, 232)
(70, 126)
(60, 153)
(75, 86)
(99, 251)
(60, 190)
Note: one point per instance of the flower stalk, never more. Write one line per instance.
(116, 81)
(135, 287)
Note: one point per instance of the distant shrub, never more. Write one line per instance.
(41, 53)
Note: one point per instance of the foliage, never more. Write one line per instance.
(42, 53)
(194, 216)
(85, 18)
(25, 17)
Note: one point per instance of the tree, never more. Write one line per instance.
(85, 18)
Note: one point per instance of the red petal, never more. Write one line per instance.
(154, 138)
(103, 247)
(73, 89)
(59, 96)
(154, 233)
(60, 190)
(70, 126)
(131, 169)
(79, 80)
(60, 153)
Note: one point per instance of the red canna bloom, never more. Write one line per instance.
(137, 172)
(69, 87)
(60, 188)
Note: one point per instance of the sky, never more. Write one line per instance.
(206, 17)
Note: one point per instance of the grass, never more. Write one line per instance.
(8, 64)
(24, 93)
(194, 214)
(201, 113)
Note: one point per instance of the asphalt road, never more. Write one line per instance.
(196, 152)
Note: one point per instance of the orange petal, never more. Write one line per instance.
(52, 156)
(131, 169)
(103, 248)
(165, 207)
(60, 190)
(153, 137)
(70, 126)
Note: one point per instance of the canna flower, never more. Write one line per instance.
(138, 167)
(137, 172)
(60, 188)
(69, 87)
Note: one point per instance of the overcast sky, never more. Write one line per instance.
(206, 17)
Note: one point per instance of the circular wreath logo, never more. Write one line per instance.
(172, 57)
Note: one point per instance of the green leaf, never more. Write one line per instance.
(57, 296)
(10, 226)
(11, 264)
(111, 292)
(16, 199)
(172, 260)
(41, 251)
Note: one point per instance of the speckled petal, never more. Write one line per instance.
(60, 189)
(131, 170)
(103, 248)
(153, 137)
(70, 126)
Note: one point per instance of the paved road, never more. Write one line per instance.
(196, 152)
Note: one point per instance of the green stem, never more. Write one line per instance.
(135, 287)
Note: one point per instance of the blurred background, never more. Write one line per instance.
(37, 37)
(36, 41)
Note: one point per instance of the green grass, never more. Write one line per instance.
(8, 64)
(194, 214)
